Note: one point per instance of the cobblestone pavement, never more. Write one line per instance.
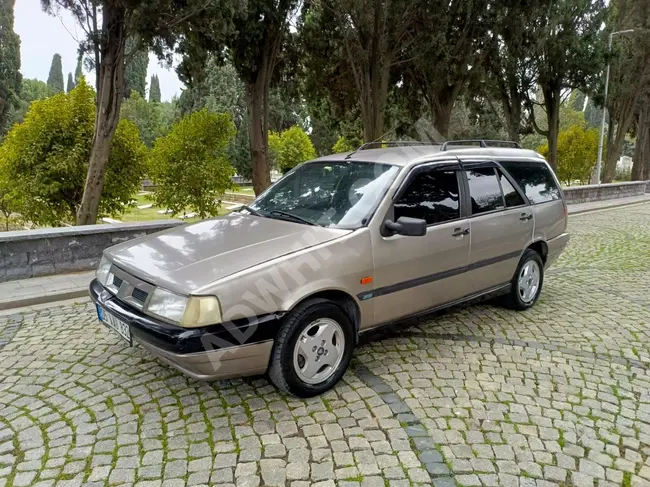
(558, 395)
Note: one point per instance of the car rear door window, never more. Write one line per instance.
(535, 179)
(484, 190)
(432, 195)
(510, 194)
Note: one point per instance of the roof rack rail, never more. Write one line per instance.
(393, 143)
(481, 143)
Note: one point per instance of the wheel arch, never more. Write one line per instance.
(541, 247)
(342, 299)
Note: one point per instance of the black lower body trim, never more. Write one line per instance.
(419, 281)
(179, 340)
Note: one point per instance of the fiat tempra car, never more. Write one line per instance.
(337, 247)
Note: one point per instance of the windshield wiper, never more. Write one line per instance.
(291, 217)
(250, 210)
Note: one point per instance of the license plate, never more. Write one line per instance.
(115, 324)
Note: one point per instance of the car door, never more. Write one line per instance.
(412, 274)
(501, 225)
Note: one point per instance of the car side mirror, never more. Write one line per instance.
(409, 227)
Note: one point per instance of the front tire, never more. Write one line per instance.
(526, 285)
(313, 349)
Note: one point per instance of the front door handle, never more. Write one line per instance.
(459, 232)
(525, 217)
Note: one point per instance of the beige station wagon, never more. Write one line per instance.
(339, 246)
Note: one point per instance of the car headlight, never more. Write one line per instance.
(167, 305)
(201, 311)
(103, 271)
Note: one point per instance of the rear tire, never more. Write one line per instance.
(313, 349)
(526, 285)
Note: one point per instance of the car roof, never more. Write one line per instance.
(414, 154)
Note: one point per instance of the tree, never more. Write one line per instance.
(577, 152)
(135, 74)
(154, 90)
(78, 72)
(71, 84)
(10, 77)
(641, 158)
(9, 200)
(55, 78)
(107, 25)
(291, 148)
(508, 63)
(629, 75)
(46, 158)
(189, 166)
(342, 145)
(30, 90)
(569, 55)
(153, 120)
(355, 45)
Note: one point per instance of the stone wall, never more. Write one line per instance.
(595, 192)
(239, 198)
(35, 253)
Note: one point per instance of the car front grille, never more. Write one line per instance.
(117, 282)
(139, 295)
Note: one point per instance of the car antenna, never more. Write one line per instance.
(367, 143)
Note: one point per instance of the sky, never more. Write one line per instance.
(43, 35)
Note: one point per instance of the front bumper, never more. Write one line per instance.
(236, 349)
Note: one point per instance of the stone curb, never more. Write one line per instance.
(52, 297)
(640, 201)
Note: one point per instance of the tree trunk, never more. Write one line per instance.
(615, 142)
(109, 102)
(641, 160)
(258, 134)
(552, 104)
(441, 113)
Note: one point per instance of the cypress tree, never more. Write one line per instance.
(71, 83)
(10, 77)
(154, 90)
(55, 79)
(135, 75)
(78, 74)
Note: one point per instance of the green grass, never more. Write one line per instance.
(135, 214)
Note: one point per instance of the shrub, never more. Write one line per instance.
(46, 159)
(189, 166)
(290, 148)
(577, 152)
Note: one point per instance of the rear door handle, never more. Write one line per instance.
(525, 217)
(459, 232)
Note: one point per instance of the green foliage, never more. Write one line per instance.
(55, 78)
(290, 148)
(46, 158)
(153, 120)
(9, 204)
(577, 152)
(154, 90)
(135, 74)
(78, 73)
(342, 145)
(10, 77)
(31, 90)
(71, 84)
(189, 166)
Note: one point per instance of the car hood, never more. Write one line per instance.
(187, 258)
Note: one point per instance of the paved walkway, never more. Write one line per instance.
(480, 396)
(36, 291)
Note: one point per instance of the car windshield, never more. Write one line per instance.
(339, 194)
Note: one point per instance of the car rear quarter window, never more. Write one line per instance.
(511, 195)
(484, 190)
(535, 179)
